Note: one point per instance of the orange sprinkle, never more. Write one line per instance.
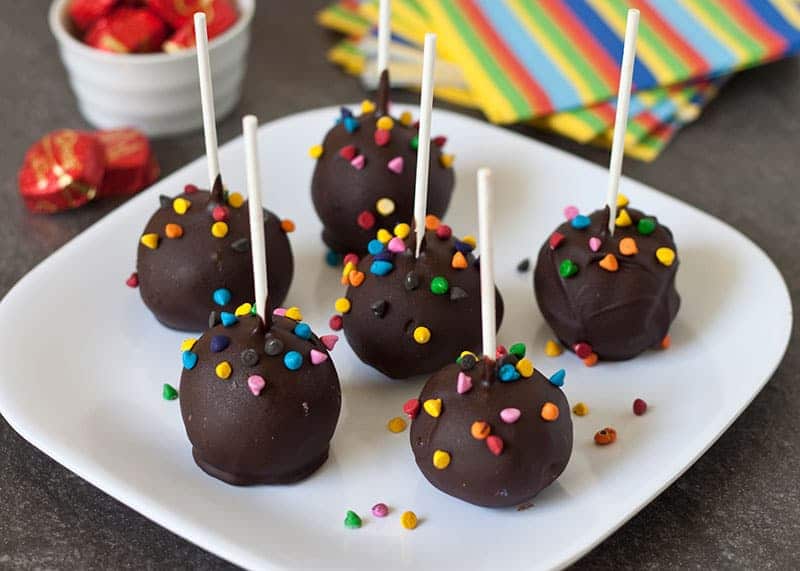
(459, 261)
(432, 222)
(356, 278)
(173, 230)
(591, 360)
(666, 341)
(549, 412)
(287, 226)
(480, 430)
(627, 247)
(606, 436)
(609, 263)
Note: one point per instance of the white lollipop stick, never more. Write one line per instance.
(206, 97)
(257, 246)
(621, 119)
(384, 34)
(485, 213)
(424, 139)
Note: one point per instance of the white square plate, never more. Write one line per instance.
(84, 362)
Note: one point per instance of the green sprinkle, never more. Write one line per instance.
(351, 520)
(646, 226)
(517, 349)
(415, 142)
(439, 285)
(568, 268)
(169, 392)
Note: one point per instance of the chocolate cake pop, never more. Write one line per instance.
(491, 433)
(194, 256)
(260, 402)
(408, 316)
(613, 296)
(365, 172)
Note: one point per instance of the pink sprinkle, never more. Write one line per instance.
(396, 165)
(256, 384)
(443, 232)
(464, 383)
(358, 162)
(220, 213)
(382, 137)
(594, 243)
(500, 352)
(380, 510)
(133, 280)
(329, 341)
(279, 311)
(571, 212)
(396, 245)
(510, 415)
(318, 357)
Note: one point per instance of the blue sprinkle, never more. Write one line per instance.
(463, 247)
(581, 221)
(189, 360)
(219, 343)
(303, 331)
(333, 259)
(375, 247)
(228, 319)
(345, 111)
(293, 360)
(351, 124)
(557, 378)
(222, 296)
(508, 373)
(381, 267)
(385, 256)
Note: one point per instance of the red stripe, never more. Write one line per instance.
(773, 43)
(605, 111)
(537, 98)
(648, 121)
(582, 39)
(691, 57)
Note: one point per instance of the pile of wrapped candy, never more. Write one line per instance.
(146, 26)
(66, 169)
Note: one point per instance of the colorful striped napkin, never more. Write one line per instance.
(555, 63)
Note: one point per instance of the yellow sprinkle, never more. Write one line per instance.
(396, 425)
(525, 367)
(315, 152)
(294, 313)
(384, 206)
(406, 118)
(243, 309)
(580, 409)
(402, 230)
(384, 236)
(666, 256)
(552, 349)
(348, 267)
(150, 241)
(409, 519)
(446, 160)
(441, 459)
(622, 200)
(386, 123)
(342, 305)
(367, 106)
(623, 219)
(433, 407)
(187, 344)
(181, 205)
(422, 335)
(235, 199)
(219, 229)
(223, 370)
(470, 240)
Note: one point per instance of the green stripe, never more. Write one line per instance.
(348, 15)
(487, 61)
(417, 7)
(567, 48)
(590, 118)
(752, 47)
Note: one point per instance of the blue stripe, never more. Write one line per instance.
(642, 77)
(718, 56)
(536, 61)
(775, 20)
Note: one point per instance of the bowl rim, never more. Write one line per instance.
(62, 35)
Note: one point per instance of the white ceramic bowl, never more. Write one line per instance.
(156, 93)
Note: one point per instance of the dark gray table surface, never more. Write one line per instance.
(737, 507)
